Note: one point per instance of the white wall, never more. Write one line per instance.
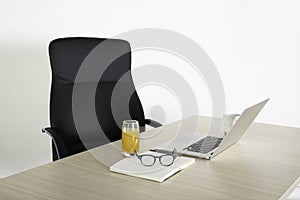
(254, 44)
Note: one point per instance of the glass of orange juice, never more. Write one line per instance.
(130, 137)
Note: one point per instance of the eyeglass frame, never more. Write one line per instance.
(174, 154)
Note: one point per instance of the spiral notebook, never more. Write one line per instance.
(133, 167)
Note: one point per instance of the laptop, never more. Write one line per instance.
(210, 146)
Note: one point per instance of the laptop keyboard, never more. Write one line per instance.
(204, 145)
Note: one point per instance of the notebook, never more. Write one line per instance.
(133, 167)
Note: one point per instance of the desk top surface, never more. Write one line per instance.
(262, 165)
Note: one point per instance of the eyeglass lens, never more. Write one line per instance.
(166, 160)
(148, 160)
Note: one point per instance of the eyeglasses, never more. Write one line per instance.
(166, 160)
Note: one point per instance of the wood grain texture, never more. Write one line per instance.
(262, 165)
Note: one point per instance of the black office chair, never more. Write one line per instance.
(66, 57)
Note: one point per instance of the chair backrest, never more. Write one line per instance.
(66, 57)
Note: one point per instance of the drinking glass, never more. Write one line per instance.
(130, 137)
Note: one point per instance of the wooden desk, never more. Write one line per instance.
(262, 165)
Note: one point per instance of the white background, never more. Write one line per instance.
(255, 46)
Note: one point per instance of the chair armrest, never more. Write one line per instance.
(57, 140)
(152, 123)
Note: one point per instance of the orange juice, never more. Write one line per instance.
(130, 141)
